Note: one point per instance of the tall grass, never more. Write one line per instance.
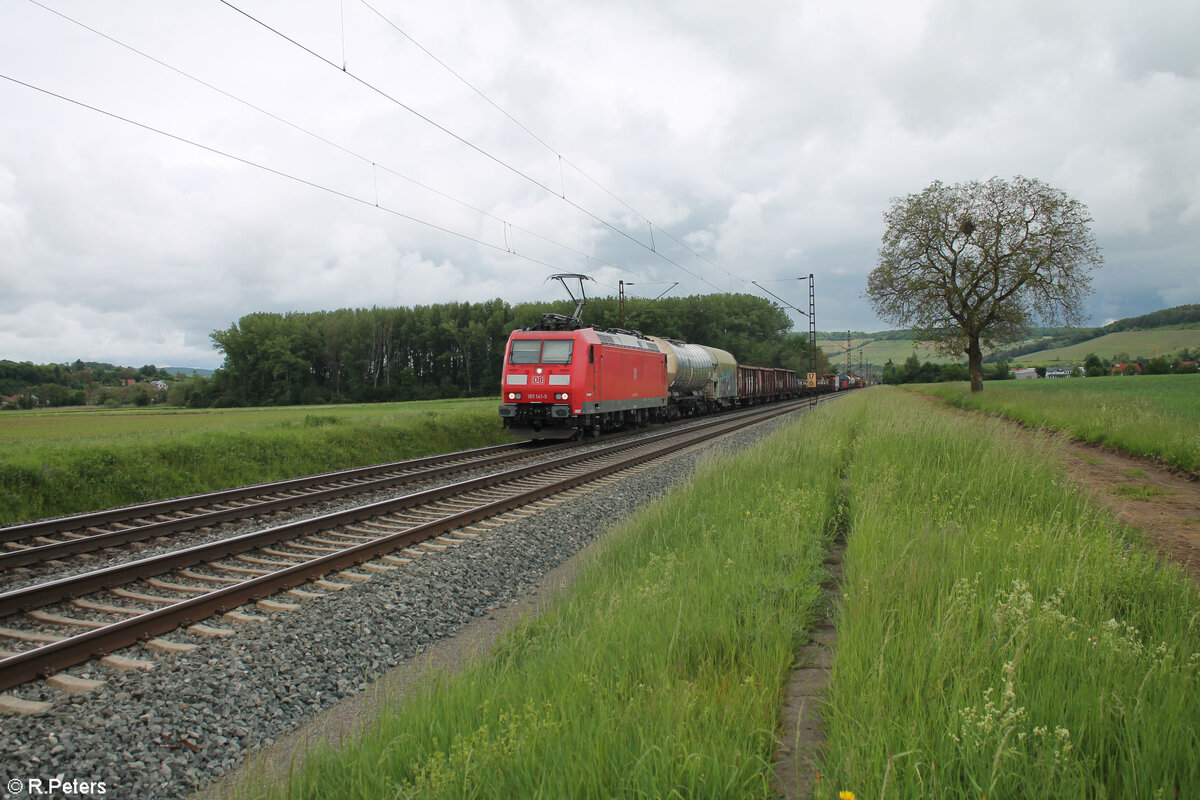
(49, 476)
(999, 637)
(658, 675)
(1151, 415)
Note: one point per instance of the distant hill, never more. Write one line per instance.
(207, 373)
(1165, 332)
(1161, 333)
(1120, 346)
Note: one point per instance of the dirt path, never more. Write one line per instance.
(1163, 505)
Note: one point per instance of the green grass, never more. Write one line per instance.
(998, 636)
(106, 426)
(54, 463)
(658, 675)
(1150, 415)
(1161, 341)
(881, 351)
(1140, 492)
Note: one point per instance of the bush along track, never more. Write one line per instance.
(998, 636)
(659, 674)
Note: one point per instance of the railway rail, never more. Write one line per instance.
(121, 605)
(44, 540)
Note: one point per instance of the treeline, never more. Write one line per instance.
(454, 349)
(28, 385)
(913, 371)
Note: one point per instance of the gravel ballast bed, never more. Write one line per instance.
(195, 716)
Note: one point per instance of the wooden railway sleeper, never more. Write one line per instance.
(196, 576)
(91, 605)
(271, 551)
(159, 583)
(268, 562)
(58, 619)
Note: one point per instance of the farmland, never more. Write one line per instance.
(1133, 344)
(57, 462)
(998, 636)
(1151, 415)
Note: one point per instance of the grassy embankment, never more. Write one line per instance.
(60, 462)
(658, 675)
(998, 637)
(1150, 415)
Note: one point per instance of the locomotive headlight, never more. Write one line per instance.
(514, 395)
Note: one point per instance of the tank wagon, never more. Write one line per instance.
(562, 380)
(700, 379)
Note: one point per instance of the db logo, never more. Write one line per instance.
(539, 379)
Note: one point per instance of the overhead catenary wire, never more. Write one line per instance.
(490, 156)
(561, 158)
(374, 164)
(272, 170)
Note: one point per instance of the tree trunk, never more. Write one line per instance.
(975, 364)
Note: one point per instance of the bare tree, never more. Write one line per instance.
(976, 264)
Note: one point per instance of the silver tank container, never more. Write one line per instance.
(690, 367)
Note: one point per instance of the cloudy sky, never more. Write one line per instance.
(166, 168)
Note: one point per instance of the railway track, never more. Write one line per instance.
(53, 539)
(67, 621)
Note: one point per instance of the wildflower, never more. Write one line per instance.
(844, 795)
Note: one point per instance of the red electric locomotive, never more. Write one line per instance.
(562, 380)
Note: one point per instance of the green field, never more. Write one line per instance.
(58, 462)
(999, 637)
(1150, 415)
(1134, 344)
(878, 352)
(99, 426)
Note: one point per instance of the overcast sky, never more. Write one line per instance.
(706, 142)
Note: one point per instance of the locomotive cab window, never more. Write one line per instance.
(557, 351)
(525, 351)
(541, 351)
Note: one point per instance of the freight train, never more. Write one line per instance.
(563, 380)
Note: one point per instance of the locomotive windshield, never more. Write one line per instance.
(541, 351)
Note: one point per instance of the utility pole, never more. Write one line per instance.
(812, 325)
(621, 293)
(812, 331)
